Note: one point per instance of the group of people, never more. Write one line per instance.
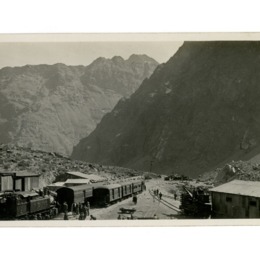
(81, 209)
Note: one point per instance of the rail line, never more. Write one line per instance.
(166, 203)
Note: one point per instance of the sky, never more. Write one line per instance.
(80, 53)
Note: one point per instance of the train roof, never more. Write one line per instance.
(126, 183)
(109, 186)
(77, 181)
(137, 181)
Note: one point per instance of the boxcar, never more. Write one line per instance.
(126, 189)
(137, 186)
(77, 194)
(107, 194)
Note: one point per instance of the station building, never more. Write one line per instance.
(236, 199)
(18, 181)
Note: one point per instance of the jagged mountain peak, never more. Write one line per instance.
(140, 58)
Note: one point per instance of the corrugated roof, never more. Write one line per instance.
(26, 174)
(77, 181)
(91, 177)
(56, 184)
(20, 174)
(245, 188)
(79, 174)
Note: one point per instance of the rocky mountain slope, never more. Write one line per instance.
(51, 107)
(53, 165)
(235, 170)
(198, 111)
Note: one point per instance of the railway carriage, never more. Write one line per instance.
(137, 186)
(107, 194)
(78, 194)
(127, 189)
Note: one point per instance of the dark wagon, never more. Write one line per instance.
(107, 194)
(78, 194)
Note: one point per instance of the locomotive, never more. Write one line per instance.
(25, 205)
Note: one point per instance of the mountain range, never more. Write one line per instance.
(51, 107)
(199, 110)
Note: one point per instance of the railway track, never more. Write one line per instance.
(166, 203)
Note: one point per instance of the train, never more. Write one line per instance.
(99, 195)
(31, 204)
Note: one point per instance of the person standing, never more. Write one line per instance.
(73, 207)
(65, 207)
(77, 209)
(88, 208)
(84, 210)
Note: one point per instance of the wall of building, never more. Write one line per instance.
(31, 183)
(235, 206)
(18, 184)
(6, 183)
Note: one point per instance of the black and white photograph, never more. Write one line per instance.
(129, 128)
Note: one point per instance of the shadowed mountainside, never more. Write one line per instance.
(199, 110)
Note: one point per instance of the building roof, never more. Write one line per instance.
(77, 181)
(91, 177)
(7, 173)
(20, 174)
(78, 174)
(26, 174)
(245, 188)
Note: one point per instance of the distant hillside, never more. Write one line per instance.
(51, 165)
(198, 111)
(51, 107)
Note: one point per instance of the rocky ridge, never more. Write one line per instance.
(235, 170)
(51, 107)
(51, 165)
